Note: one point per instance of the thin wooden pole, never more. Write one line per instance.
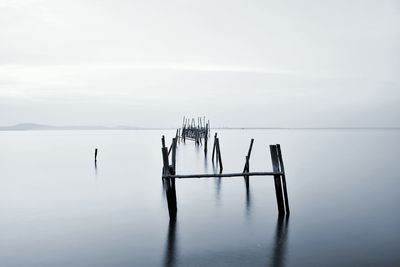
(95, 155)
(246, 165)
(170, 147)
(219, 156)
(174, 155)
(214, 146)
(277, 179)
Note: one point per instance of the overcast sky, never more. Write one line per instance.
(241, 63)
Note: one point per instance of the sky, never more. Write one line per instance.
(240, 63)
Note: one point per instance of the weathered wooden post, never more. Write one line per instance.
(170, 182)
(174, 155)
(95, 154)
(164, 151)
(214, 146)
(219, 157)
(247, 163)
(282, 169)
(277, 179)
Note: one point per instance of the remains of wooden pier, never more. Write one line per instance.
(195, 133)
(197, 130)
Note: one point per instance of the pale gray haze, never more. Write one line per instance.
(240, 63)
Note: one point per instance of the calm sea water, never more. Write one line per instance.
(57, 209)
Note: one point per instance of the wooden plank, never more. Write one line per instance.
(222, 175)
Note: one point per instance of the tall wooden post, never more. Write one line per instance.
(219, 157)
(282, 169)
(277, 179)
(174, 155)
(170, 184)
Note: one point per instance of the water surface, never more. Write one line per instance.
(57, 209)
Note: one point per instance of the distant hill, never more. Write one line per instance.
(35, 126)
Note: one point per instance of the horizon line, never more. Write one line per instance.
(36, 127)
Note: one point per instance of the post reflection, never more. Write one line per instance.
(95, 168)
(278, 249)
(218, 183)
(248, 199)
(170, 247)
(281, 232)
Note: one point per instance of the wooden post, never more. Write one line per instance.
(171, 198)
(246, 165)
(170, 182)
(170, 147)
(246, 177)
(214, 146)
(174, 155)
(219, 156)
(282, 169)
(277, 179)
(163, 141)
(95, 155)
(164, 151)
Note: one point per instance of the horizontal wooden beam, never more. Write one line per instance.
(222, 175)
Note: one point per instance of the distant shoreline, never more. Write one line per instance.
(40, 127)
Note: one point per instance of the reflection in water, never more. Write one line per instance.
(278, 253)
(248, 202)
(218, 183)
(278, 257)
(164, 188)
(95, 168)
(205, 164)
(170, 247)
